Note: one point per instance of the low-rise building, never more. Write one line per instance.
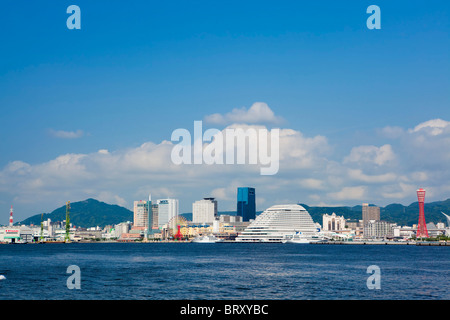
(378, 229)
(333, 222)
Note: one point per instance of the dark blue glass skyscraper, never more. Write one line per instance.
(246, 207)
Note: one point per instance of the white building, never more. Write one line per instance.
(378, 229)
(204, 211)
(123, 227)
(278, 222)
(19, 234)
(404, 231)
(434, 230)
(333, 222)
(141, 214)
(167, 209)
(9, 234)
(447, 230)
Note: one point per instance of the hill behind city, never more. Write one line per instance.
(87, 213)
(395, 213)
(91, 213)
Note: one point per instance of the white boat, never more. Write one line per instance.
(296, 240)
(206, 239)
(301, 238)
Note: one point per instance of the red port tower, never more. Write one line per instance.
(422, 231)
(179, 235)
(11, 217)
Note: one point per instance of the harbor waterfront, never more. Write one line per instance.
(215, 271)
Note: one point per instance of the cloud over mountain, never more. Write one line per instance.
(309, 171)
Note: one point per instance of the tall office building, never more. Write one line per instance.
(140, 214)
(143, 217)
(204, 211)
(370, 213)
(246, 206)
(155, 224)
(167, 209)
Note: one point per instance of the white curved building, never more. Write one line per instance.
(277, 223)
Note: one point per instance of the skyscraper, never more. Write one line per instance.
(143, 217)
(370, 213)
(167, 209)
(155, 216)
(140, 214)
(246, 206)
(204, 211)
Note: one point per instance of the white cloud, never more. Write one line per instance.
(419, 176)
(371, 154)
(391, 132)
(312, 184)
(433, 127)
(122, 176)
(300, 152)
(259, 112)
(66, 134)
(308, 170)
(109, 197)
(399, 191)
(357, 174)
(350, 193)
(220, 194)
(18, 167)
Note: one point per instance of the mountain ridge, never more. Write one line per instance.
(86, 213)
(92, 212)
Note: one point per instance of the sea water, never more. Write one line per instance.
(218, 271)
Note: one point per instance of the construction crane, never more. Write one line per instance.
(67, 238)
(42, 228)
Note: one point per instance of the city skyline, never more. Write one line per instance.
(205, 220)
(163, 210)
(363, 114)
(162, 222)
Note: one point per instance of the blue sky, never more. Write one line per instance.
(138, 70)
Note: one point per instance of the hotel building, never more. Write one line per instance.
(204, 211)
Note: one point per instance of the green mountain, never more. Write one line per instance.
(395, 213)
(352, 213)
(87, 213)
(409, 215)
(91, 213)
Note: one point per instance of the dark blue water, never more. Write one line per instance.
(223, 271)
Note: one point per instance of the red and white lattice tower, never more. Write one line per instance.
(11, 217)
(422, 231)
